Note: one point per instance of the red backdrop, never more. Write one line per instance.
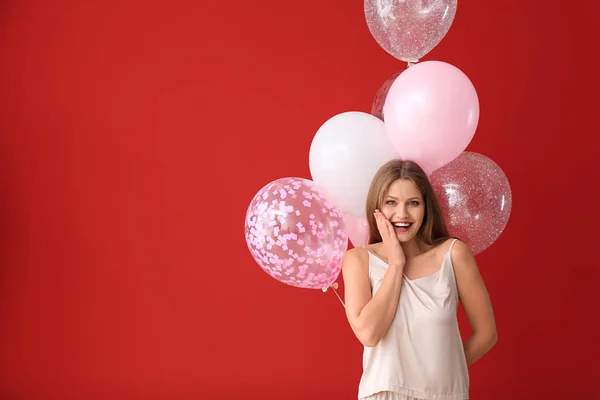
(135, 133)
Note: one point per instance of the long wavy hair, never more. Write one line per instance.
(433, 230)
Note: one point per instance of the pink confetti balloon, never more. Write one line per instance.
(475, 197)
(295, 234)
(409, 29)
(379, 101)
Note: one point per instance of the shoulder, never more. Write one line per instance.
(355, 263)
(450, 245)
(461, 255)
(458, 248)
(357, 253)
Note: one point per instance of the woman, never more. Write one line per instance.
(402, 291)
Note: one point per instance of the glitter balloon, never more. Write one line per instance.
(295, 234)
(379, 101)
(475, 198)
(409, 29)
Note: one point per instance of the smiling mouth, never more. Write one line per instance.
(402, 225)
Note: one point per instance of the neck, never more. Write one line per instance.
(414, 247)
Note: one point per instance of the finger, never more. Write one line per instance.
(379, 215)
(390, 227)
(380, 224)
(381, 221)
(384, 228)
(382, 217)
(381, 228)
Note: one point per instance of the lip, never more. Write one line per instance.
(398, 229)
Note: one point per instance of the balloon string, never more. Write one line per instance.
(338, 296)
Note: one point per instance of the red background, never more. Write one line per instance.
(135, 133)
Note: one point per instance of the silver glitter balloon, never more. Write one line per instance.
(475, 198)
(379, 101)
(409, 29)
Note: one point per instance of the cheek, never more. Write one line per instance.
(419, 214)
(386, 210)
(387, 213)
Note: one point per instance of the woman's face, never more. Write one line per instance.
(403, 205)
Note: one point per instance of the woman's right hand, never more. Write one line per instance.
(395, 254)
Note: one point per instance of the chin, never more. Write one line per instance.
(405, 236)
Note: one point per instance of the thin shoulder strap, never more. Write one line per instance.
(452, 245)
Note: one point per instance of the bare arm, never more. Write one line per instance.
(369, 316)
(476, 303)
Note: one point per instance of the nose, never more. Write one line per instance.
(402, 211)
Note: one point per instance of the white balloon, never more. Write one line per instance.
(345, 154)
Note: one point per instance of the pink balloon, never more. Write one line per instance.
(475, 197)
(357, 229)
(431, 114)
(295, 234)
(378, 102)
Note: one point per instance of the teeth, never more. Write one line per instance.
(402, 225)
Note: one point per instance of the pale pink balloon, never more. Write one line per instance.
(475, 197)
(357, 229)
(431, 114)
(379, 101)
(295, 234)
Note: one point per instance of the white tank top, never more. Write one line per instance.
(422, 354)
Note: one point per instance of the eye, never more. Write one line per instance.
(413, 203)
(390, 202)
